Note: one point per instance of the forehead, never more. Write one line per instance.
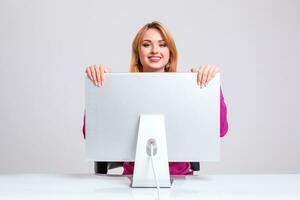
(152, 34)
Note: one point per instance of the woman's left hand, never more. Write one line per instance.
(205, 73)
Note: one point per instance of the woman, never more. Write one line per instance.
(154, 50)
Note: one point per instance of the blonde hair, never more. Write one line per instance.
(136, 65)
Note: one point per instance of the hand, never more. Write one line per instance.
(205, 74)
(96, 73)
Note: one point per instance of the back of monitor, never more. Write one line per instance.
(192, 115)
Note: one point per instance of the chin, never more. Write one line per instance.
(156, 67)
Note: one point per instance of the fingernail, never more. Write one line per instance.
(102, 83)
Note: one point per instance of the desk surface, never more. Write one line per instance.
(90, 186)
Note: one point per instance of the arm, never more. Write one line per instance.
(223, 115)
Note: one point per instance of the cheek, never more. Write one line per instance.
(143, 53)
(167, 54)
(141, 56)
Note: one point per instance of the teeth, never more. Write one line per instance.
(154, 58)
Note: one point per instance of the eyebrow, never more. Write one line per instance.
(151, 41)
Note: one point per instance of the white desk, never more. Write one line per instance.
(90, 186)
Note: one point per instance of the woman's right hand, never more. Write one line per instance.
(96, 73)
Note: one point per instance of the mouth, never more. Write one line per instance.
(154, 58)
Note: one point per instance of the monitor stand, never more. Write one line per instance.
(151, 128)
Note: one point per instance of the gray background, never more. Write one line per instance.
(45, 47)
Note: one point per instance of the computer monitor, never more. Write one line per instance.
(191, 115)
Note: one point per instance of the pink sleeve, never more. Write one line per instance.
(223, 115)
(83, 128)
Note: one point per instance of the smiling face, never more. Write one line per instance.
(154, 54)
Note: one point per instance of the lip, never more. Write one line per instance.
(154, 58)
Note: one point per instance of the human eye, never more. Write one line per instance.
(162, 44)
(145, 44)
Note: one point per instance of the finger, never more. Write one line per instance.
(102, 75)
(200, 74)
(199, 77)
(204, 75)
(93, 72)
(107, 70)
(217, 70)
(194, 69)
(97, 74)
(211, 74)
(89, 73)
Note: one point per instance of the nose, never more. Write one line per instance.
(155, 49)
